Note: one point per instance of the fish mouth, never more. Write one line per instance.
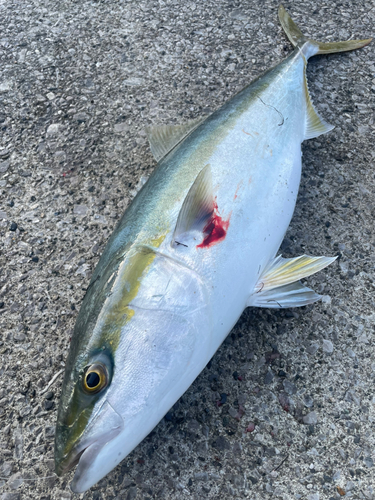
(85, 460)
(70, 461)
(106, 425)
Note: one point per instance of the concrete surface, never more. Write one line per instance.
(285, 409)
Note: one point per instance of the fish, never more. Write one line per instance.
(197, 245)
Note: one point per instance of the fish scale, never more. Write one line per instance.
(197, 245)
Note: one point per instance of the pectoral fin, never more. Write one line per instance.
(279, 284)
(198, 206)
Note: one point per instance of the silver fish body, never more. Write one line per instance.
(196, 246)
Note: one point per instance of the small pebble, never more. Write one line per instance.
(327, 346)
(15, 481)
(223, 398)
(81, 117)
(4, 153)
(4, 165)
(350, 485)
(269, 377)
(308, 401)
(6, 468)
(80, 209)
(201, 476)
(336, 476)
(13, 226)
(232, 412)
(63, 495)
(49, 431)
(311, 418)
(121, 127)
(350, 352)
(313, 496)
(20, 337)
(132, 493)
(289, 387)
(221, 443)
(312, 348)
(53, 128)
(368, 461)
(48, 405)
(326, 299)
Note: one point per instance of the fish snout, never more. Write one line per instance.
(104, 426)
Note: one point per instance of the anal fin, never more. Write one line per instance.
(315, 125)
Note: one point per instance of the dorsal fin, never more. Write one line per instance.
(163, 138)
(198, 206)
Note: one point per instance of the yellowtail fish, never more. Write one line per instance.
(196, 247)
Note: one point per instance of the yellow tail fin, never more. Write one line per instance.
(315, 125)
(313, 47)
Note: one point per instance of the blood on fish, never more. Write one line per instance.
(238, 187)
(215, 230)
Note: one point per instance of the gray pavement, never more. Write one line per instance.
(285, 409)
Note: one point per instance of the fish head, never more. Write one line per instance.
(145, 353)
(151, 369)
(86, 420)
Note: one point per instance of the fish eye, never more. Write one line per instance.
(95, 378)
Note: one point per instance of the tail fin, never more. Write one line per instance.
(312, 47)
(315, 125)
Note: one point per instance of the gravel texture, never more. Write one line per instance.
(285, 409)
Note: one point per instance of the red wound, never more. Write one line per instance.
(215, 231)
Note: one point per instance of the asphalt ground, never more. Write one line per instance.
(285, 409)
